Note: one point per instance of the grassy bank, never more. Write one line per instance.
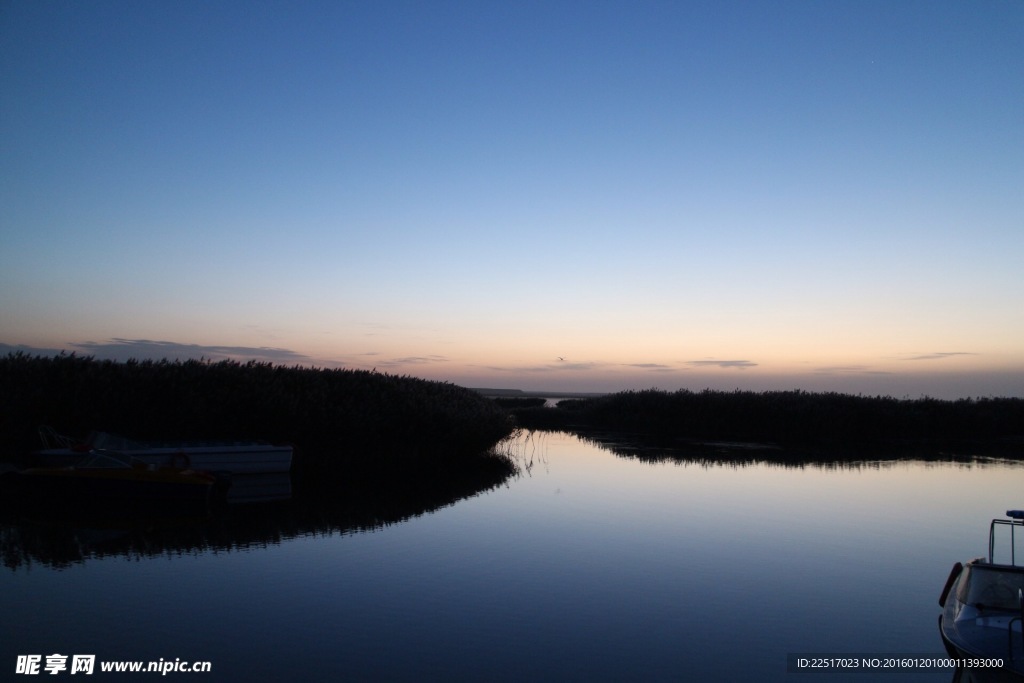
(792, 418)
(337, 419)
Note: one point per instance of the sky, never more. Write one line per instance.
(577, 196)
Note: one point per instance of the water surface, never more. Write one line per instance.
(587, 565)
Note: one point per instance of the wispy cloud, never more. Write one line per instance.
(148, 349)
(551, 367)
(940, 355)
(740, 364)
(576, 366)
(414, 360)
(850, 370)
(651, 367)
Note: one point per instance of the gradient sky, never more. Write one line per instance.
(586, 196)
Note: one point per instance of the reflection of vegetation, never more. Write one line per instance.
(362, 419)
(795, 419)
(320, 507)
(741, 454)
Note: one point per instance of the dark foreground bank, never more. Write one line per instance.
(336, 419)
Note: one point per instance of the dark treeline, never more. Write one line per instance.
(351, 418)
(790, 417)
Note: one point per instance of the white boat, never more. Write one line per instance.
(983, 607)
(236, 457)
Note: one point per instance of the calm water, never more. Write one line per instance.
(586, 566)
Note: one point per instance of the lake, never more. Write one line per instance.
(589, 564)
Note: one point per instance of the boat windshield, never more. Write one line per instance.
(995, 587)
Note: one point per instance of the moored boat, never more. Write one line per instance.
(109, 478)
(235, 457)
(983, 606)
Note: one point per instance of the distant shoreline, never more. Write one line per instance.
(522, 393)
(795, 420)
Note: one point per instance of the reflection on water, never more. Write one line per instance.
(743, 453)
(590, 563)
(260, 510)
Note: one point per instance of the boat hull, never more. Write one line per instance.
(235, 459)
(970, 630)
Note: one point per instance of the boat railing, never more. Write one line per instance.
(1015, 521)
(51, 439)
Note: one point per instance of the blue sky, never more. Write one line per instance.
(756, 195)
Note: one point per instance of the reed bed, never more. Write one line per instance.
(336, 418)
(795, 418)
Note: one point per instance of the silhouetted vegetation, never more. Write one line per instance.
(791, 418)
(350, 419)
